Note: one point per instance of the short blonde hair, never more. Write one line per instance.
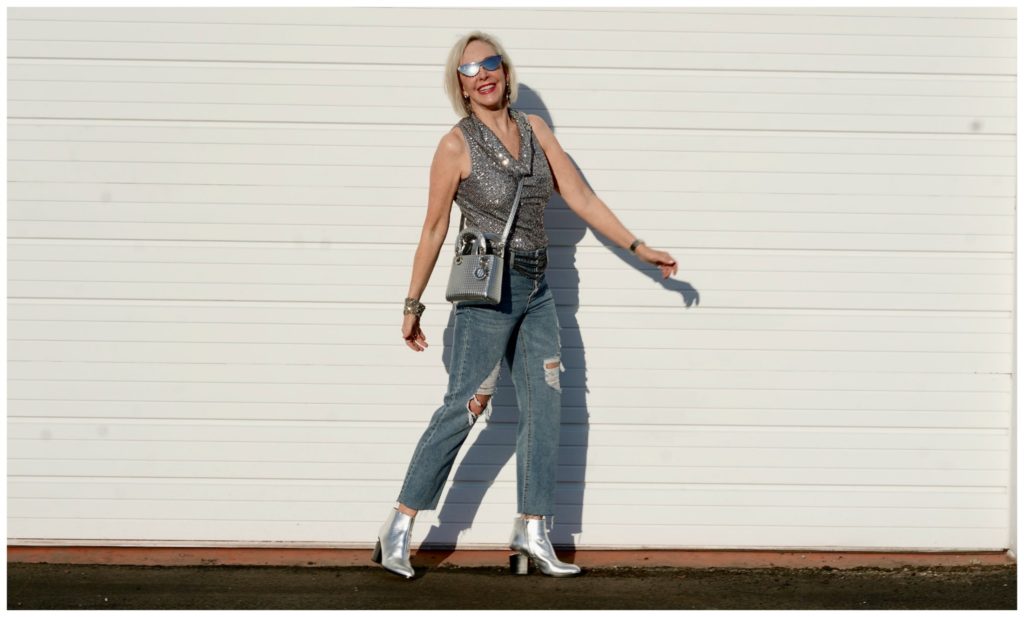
(452, 86)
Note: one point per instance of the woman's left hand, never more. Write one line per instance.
(658, 258)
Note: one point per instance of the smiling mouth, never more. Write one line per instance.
(487, 89)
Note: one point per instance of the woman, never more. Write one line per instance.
(477, 164)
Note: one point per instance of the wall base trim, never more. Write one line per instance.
(321, 557)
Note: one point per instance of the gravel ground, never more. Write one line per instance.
(57, 586)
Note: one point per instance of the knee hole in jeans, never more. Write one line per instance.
(552, 366)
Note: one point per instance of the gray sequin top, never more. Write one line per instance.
(485, 196)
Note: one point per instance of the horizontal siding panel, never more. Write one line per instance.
(395, 354)
(972, 38)
(25, 255)
(571, 316)
(186, 100)
(362, 85)
(556, 219)
(220, 291)
(319, 512)
(953, 21)
(365, 175)
(360, 340)
(684, 155)
(679, 199)
(116, 454)
(379, 374)
(479, 471)
(611, 338)
(419, 411)
(26, 435)
(603, 370)
(407, 145)
(213, 393)
(575, 280)
(381, 234)
(646, 118)
(997, 56)
(362, 496)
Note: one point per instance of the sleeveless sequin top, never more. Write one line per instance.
(485, 196)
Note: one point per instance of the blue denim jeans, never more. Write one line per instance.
(522, 328)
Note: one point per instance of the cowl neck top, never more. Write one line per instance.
(485, 196)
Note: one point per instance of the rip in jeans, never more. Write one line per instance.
(552, 367)
(488, 387)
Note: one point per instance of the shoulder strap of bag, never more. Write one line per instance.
(511, 217)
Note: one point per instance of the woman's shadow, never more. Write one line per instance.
(495, 446)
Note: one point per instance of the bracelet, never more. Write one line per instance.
(414, 306)
(636, 243)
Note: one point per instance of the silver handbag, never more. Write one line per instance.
(479, 262)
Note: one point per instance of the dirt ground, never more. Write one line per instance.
(57, 586)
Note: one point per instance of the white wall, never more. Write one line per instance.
(212, 217)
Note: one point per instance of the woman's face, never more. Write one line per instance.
(486, 88)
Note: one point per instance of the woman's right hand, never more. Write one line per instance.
(414, 337)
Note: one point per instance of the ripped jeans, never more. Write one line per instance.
(522, 328)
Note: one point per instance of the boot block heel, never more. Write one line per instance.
(520, 563)
(376, 552)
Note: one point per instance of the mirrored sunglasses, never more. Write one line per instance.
(470, 69)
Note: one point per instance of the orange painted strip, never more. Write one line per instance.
(318, 557)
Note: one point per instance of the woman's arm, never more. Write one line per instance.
(587, 205)
(445, 172)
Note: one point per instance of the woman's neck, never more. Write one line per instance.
(498, 120)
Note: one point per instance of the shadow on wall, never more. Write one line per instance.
(480, 465)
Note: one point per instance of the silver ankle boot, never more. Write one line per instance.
(530, 541)
(392, 550)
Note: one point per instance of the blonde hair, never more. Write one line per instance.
(452, 86)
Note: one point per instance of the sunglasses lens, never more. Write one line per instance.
(470, 69)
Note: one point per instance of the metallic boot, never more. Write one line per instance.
(392, 550)
(530, 540)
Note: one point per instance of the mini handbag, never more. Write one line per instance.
(479, 261)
